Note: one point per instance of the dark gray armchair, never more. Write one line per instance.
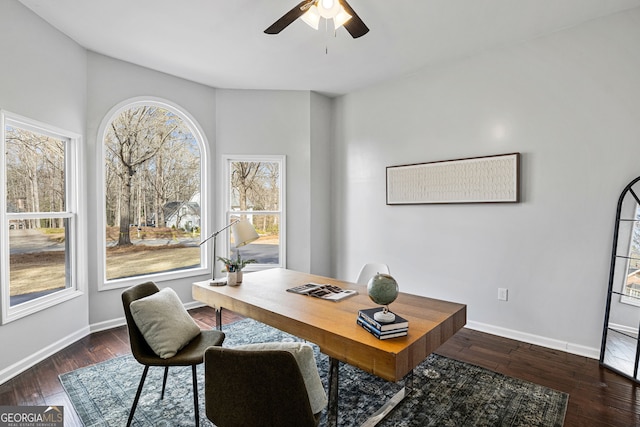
(251, 388)
(190, 355)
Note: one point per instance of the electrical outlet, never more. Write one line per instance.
(503, 294)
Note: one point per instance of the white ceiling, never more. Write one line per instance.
(221, 42)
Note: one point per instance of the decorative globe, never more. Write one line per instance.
(382, 289)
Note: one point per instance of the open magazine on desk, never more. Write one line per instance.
(324, 291)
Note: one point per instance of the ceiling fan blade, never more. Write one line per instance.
(289, 17)
(355, 25)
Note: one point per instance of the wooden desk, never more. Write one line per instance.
(332, 325)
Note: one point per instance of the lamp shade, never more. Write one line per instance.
(327, 9)
(312, 17)
(341, 18)
(243, 233)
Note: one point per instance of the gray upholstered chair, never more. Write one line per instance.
(192, 354)
(254, 388)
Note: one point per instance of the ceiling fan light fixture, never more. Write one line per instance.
(329, 8)
(310, 11)
(341, 18)
(312, 17)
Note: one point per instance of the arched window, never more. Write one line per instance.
(153, 204)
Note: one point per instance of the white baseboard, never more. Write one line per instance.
(114, 323)
(28, 362)
(193, 304)
(624, 329)
(108, 324)
(580, 350)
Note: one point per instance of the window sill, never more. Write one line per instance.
(156, 277)
(39, 304)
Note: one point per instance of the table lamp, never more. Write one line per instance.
(243, 234)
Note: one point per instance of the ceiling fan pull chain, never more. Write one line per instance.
(326, 31)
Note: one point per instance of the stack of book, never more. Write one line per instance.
(398, 328)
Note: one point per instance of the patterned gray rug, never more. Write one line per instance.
(446, 392)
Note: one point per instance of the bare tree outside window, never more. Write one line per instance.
(35, 172)
(152, 193)
(255, 193)
(39, 223)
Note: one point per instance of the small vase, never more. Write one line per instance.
(232, 278)
(239, 276)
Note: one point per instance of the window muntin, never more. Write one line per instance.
(39, 216)
(153, 175)
(255, 191)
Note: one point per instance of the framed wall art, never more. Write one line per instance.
(488, 179)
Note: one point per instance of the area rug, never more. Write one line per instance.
(446, 392)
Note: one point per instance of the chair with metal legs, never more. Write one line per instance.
(190, 355)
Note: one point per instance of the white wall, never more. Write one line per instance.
(42, 77)
(570, 103)
(320, 206)
(282, 122)
(110, 83)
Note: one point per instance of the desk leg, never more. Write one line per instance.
(219, 318)
(332, 414)
(391, 403)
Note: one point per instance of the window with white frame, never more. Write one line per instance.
(255, 190)
(39, 216)
(153, 195)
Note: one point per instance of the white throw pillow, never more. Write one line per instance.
(164, 322)
(303, 354)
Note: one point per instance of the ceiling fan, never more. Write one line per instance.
(310, 11)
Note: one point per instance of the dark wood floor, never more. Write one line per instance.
(598, 397)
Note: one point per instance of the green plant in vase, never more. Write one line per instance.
(235, 265)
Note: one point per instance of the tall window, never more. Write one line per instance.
(255, 190)
(39, 216)
(152, 192)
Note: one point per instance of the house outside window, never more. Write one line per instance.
(255, 190)
(39, 185)
(153, 193)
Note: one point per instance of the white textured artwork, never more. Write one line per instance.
(473, 180)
